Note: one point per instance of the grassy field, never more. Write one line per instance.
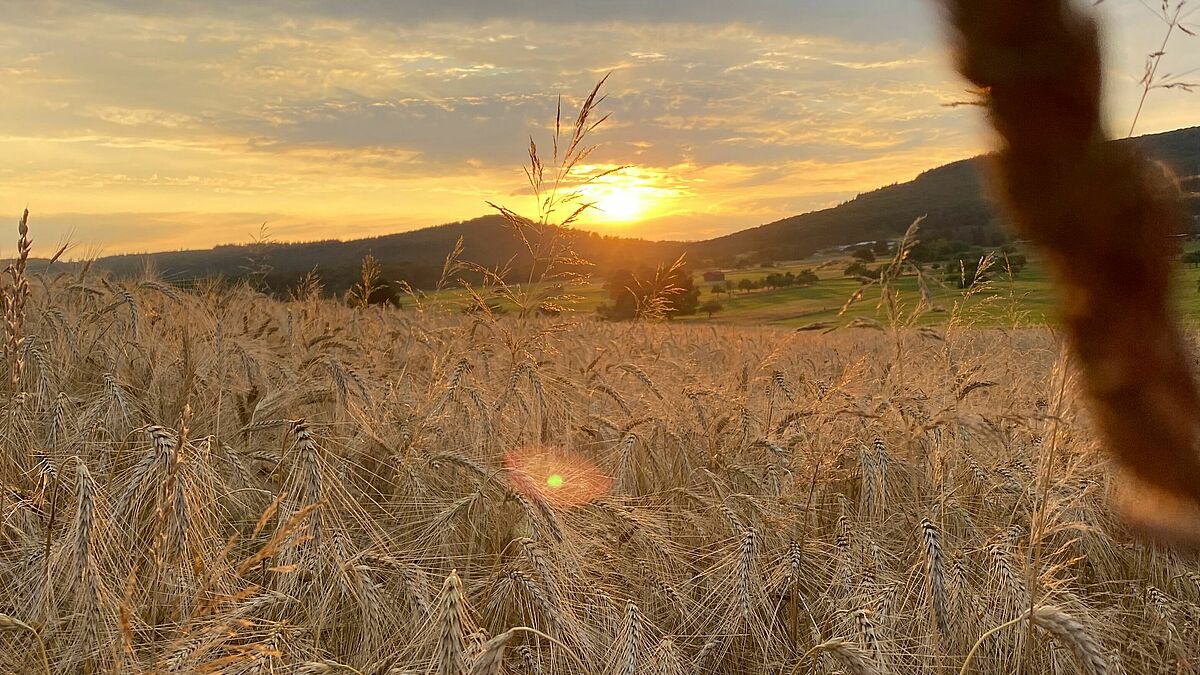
(213, 481)
(822, 302)
(1026, 300)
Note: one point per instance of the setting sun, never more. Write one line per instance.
(622, 204)
(626, 197)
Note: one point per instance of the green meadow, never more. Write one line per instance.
(1026, 299)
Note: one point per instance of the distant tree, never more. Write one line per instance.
(384, 294)
(1017, 262)
(745, 285)
(718, 288)
(807, 278)
(864, 254)
(660, 293)
(776, 280)
(687, 299)
(1191, 258)
(711, 307)
(937, 249)
(965, 273)
(624, 291)
(880, 247)
(857, 269)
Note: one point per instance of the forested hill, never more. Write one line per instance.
(951, 197)
(416, 256)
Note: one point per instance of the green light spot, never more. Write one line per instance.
(555, 481)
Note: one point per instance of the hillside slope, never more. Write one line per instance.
(951, 197)
(416, 256)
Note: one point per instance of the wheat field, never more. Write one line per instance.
(209, 480)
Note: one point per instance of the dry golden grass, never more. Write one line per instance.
(214, 481)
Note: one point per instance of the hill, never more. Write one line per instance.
(951, 197)
(416, 256)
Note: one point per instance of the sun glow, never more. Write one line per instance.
(622, 205)
(623, 198)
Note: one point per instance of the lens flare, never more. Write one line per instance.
(556, 476)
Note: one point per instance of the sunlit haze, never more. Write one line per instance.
(144, 126)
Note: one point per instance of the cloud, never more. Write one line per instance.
(399, 114)
(871, 20)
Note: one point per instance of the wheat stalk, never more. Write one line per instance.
(1064, 628)
(8, 622)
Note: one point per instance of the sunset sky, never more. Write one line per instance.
(143, 126)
